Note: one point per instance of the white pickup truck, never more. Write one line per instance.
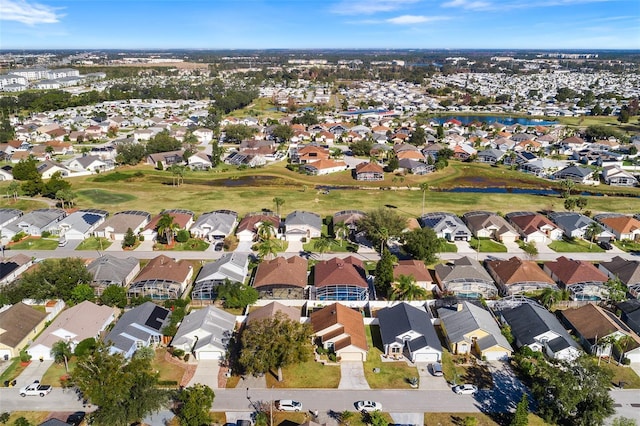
(35, 389)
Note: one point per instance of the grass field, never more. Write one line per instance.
(308, 374)
(487, 245)
(94, 243)
(34, 243)
(575, 246)
(248, 190)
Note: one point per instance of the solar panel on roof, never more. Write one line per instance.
(157, 317)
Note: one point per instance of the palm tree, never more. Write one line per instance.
(406, 288)
(167, 227)
(567, 185)
(61, 351)
(593, 230)
(424, 187)
(267, 248)
(322, 245)
(13, 189)
(341, 230)
(266, 230)
(278, 202)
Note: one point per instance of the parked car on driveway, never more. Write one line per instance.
(436, 369)
(368, 406)
(605, 245)
(288, 405)
(465, 389)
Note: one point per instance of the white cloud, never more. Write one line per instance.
(369, 7)
(414, 19)
(470, 5)
(28, 13)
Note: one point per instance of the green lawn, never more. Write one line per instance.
(12, 371)
(392, 375)
(102, 197)
(94, 243)
(575, 246)
(308, 374)
(56, 372)
(622, 373)
(35, 243)
(193, 244)
(169, 371)
(487, 245)
(446, 247)
(337, 246)
(627, 245)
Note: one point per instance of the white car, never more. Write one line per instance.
(368, 406)
(465, 389)
(288, 405)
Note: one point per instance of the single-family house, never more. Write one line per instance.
(204, 135)
(446, 225)
(166, 159)
(340, 279)
(464, 278)
(19, 325)
(182, 218)
(535, 327)
(300, 225)
(115, 227)
(597, 329)
(324, 167)
(282, 278)
(471, 329)
(249, 225)
(90, 163)
(205, 333)
(80, 224)
(615, 176)
(627, 271)
(408, 332)
(349, 218)
(583, 175)
(162, 278)
(270, 310)
(630, 313)
(11, 268)
(309, 154)
(340, 330)
(416, 270)
(140, 327)
(199, 161)
(581, 278)
(369, 172)
(489, 225)
(232, 267)
(623, 227)
(576, 225)
(490, 156)
(48, 168)
(73, 325)
(515, 275)
(415, 167)
(35, 222)
(534, 227)
(109, 270)
(214, 225)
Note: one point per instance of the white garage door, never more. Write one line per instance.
(634, 357)
(426, 357)
(351, 356)
(496, 356)
(210, 355)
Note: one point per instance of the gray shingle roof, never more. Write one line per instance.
(459, 323)
(402, 318)
(214, 326)
(232, 266)
(529, 321)
(140, 323)
(110, 269)
(300, 217)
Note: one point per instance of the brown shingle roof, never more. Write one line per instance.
(181, 219)
(350, 320)
(413, 268)
(250, 222)
(516, 270)
(369, 168)
(282, 271)
(571, 271)
(269, 311)
(593, 322)
(165, 268)
(621, 224)
(336, 271)
(17, 322)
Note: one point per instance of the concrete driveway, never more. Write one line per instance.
(352, 375)
(206, 373)
(428, 381)
(416, 419)
(34, 371)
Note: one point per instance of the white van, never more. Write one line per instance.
(62, 242)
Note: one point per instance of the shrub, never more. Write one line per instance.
(85, 346)
(182, 236)
(186, 357)
(18, 237)
(320, 350)
(45, 234)
(178, 353)
(332, 357)
(168, 382)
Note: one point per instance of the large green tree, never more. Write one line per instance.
(195, 404)
(273, 343)
(282, 133)
(422, 244)
(125, 391)
(237, 295)
(163, 142)
(406, 288)
(384, 272)
(236, 133)
(382, 224)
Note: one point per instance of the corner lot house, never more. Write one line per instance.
(140, 327)
(19, 324)
(407, 331)
(471, 329)
(205, 333)
(341, 330)
(73, 325)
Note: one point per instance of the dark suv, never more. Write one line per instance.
(605, 245)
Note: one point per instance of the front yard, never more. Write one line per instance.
(94, 243)
(627, 245)
(458, 369)
(390, 375)
(308, 374)
(487, 245)
(34, 243)
(192, 244)
(575, 246)
(622, 374)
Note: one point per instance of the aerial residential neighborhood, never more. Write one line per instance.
(330, 240)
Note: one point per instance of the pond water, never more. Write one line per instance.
(523, 121)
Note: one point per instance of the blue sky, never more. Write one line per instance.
(308, 24)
